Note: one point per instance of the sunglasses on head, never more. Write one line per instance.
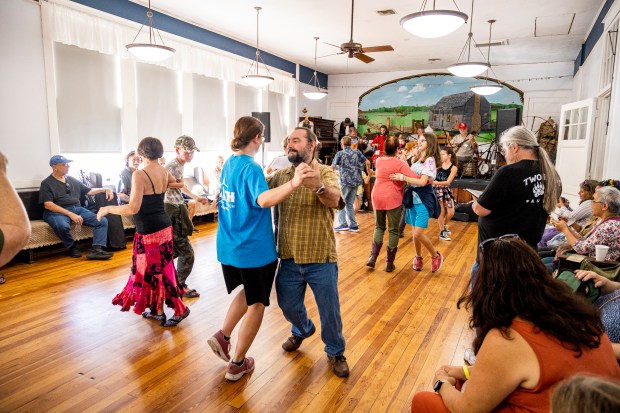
(491, 240)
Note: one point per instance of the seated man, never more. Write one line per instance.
(60, 195)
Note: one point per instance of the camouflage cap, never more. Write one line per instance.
(187, 143)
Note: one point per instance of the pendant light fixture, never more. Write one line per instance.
(433, 23)
(253, 78)
(486, 88)
(468, 69)
(151, 51)
(318, 93)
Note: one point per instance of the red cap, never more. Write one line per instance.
(462, 125)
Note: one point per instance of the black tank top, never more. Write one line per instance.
(443, 174)
(151, 217)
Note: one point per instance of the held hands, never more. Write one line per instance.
(445, 374)
(311, 176)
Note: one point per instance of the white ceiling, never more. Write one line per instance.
(537, 30)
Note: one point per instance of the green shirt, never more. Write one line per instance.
(305, 225)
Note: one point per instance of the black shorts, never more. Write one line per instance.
(257, 281)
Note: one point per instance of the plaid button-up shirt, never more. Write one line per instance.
(305, 226)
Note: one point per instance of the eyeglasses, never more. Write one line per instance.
(68, 187)
(597, 202)
(490, 240)
(421, 140)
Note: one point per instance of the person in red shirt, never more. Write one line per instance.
(378, 142)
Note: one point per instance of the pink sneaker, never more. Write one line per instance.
(436, 262)
(220, 346)
(418, 263)
(235, 372)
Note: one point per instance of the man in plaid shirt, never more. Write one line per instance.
(307, 250)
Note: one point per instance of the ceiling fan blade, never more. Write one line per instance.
(364, 58)
(333, 54)
(372, 49)
(331, 45)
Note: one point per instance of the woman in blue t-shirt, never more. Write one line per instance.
(245, 245)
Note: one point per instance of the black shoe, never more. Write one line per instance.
(74, 251)
(293, 342)
(97, 253)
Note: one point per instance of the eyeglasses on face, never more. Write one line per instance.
(491, 240)
(421, 140)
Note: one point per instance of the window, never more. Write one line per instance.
(611, 43)
(88, 100)
(209, 113)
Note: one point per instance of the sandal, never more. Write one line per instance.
(191, 294)
(174, 320)
(159, 317)
(2, 279)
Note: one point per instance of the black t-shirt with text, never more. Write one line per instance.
(62, 194)
(515, 198)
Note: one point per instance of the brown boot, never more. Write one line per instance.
(389, 260)
(374, 252)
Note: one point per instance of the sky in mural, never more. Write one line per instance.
(427, 90)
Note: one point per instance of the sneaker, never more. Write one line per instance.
(443, 235)
(234, 372)
(339, 365)
(418, 263)
(293, 342)
(354, 229)
(220, 346)
(74, 251)
(97, 253)
(436, 262)
(469, 356)
(446, 229)
(341, 228)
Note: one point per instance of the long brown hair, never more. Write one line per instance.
(432, 149)
(513, 282)
(246, 129)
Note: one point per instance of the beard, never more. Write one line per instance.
(295, 157)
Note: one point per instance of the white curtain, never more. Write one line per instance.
(87, 100)
(159, 107)
(247, 100)
(73, 24)
(280, 122)
(209, 113)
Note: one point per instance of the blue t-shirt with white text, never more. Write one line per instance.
(245, 233)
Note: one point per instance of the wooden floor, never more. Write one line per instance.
(64, 347)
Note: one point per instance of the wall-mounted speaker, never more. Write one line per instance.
(506, 119)
(264, 117)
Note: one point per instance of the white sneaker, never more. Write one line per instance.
(443, 235)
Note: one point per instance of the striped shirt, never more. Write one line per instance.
(305, 226)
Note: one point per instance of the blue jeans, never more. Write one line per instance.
(61, 224)
(291, 281)
(348, 193)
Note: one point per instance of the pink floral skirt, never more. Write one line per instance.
(152, 281)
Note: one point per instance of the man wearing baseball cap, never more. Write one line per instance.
(464, 143)
(176, 209)
(60, 195)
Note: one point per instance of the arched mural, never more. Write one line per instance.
(436, 99)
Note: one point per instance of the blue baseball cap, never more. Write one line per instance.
(56, 159)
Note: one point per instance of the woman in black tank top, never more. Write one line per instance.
(152, 281)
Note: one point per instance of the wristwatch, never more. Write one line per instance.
(438, 385)
(321, 189)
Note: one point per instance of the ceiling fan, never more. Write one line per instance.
(356, 50)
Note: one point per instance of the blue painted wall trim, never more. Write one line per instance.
(137, 13)
(593, 37)
(305, 75)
